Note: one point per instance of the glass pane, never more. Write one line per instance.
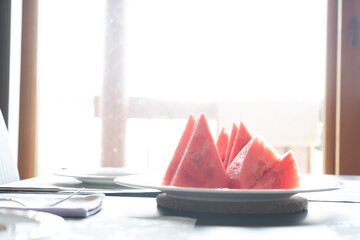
(70, 74)
(261, 62)
(236, 49)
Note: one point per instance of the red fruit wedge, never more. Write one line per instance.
(251, 164)
(243, 136)
(285, 175)
(179, 151)
(221, 143)
(201, 165)
(230, 144)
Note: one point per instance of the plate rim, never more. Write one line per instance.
(82, 173)
(227, 191)
(43, 220)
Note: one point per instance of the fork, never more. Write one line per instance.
(46, 205)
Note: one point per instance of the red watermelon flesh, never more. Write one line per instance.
(221, 143)
(285, 175)
(201, 166)
(243, 136)
(234, 130)
(179, 151)
(251, 164)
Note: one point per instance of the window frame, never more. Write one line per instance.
(342, 106)
(342, 109)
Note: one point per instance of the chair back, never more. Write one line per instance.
(8, 166)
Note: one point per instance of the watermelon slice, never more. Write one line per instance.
(285, 175)
(201, 165)
(251, 164)
(230, 144)
(243, 136)
(179, 151)
(221, 143)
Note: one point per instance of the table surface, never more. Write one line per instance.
(330, 215)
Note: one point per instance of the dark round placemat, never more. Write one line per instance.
(290, 205)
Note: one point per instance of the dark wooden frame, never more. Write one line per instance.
(27, 148)
(5, 23)
(342, 128)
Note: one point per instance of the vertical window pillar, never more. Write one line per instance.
(114, 110)
(342, 149)
(27, 152)
(5, 17)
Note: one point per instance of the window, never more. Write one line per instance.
(70, 62)
(260, 62)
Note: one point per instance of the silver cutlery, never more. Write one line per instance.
(46, 205)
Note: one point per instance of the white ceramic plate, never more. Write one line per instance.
(96, 176)
(21, 224)
(308, 184)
